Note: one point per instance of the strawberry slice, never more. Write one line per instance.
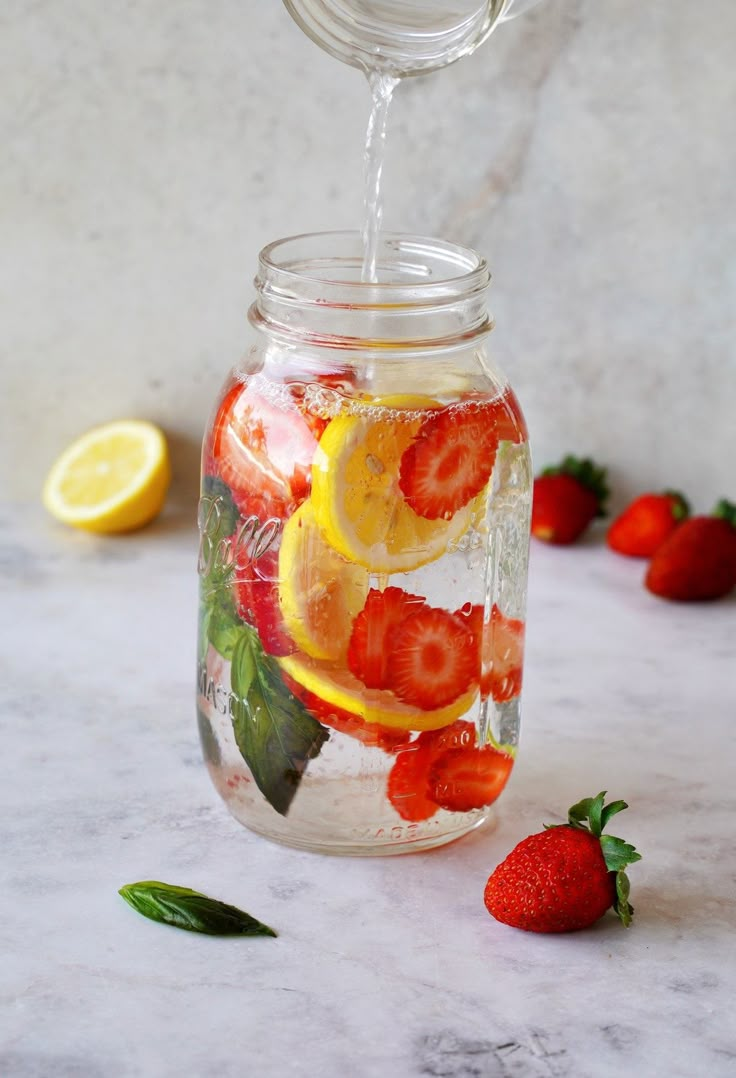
(264, 453)
(464, 779)
(370, 640)
(256, 595)
(458, 735)
(371, 734)
(452, 457)
(433, 660)
(500, 654)
(408, 780)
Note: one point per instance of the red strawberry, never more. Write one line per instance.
(256, 594)
(408, 780)
(458, 735)
(500, 654)
(465, 779)
(698, 561)
(263, 452)
(566, 499)
(345, 722)
(452, 457)
(646, 523)
(564, 878)
(433, 659)
(370, 641)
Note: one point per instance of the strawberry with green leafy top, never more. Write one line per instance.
(698, 561)
(646, 522)
(566, 499)
(565, 877)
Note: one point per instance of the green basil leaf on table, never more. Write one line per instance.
(190, 910)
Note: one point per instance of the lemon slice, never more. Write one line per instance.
(355, 489)
(320, 593)
(338, 687)
(112, 479)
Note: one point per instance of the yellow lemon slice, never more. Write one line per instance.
(339, 688)
(355, 489)
(319, 592)
(112, 479)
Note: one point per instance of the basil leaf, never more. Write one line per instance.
(190, 910)
(223, 625)
(208, 739)
(275, 733)
(220, 496)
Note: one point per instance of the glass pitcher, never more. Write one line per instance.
(364, 533)
(402, 37)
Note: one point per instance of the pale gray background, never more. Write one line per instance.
(148, 150)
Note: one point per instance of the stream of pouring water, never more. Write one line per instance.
(382, 88)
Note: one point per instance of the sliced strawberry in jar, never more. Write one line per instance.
(408, 782)
(433, 660)
(464, 779)
(373, 628)
(450, 460)
(262, 451)
(500, 651)
(371, 734)
(256, 595)
(458, 735)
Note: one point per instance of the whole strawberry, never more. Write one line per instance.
(566, 499)
(565, 877)
(645, 524)
(698, 561)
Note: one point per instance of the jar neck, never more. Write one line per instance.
(429, 295)
(403, 37)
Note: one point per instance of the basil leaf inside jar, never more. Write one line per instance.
(275, 733)
(191, 910)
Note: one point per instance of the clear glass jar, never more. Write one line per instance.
(402, 37)
(364, 533)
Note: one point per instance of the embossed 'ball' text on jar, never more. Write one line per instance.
(364, 535)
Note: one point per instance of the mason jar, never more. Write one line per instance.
(364, 532)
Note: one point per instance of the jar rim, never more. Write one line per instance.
(430, 294)
(426, 267)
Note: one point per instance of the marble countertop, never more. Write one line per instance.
(385, 967)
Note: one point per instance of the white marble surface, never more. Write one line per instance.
(588, 150)
(383, 967)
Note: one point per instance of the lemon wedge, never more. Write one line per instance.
(355, 489)
(319, 592)
(339, 688)
(112, 479)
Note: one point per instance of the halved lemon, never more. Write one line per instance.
(338, 687)
(320, 593)
(355, 489)
(112, 479)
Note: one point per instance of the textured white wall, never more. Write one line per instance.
(148, 150)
